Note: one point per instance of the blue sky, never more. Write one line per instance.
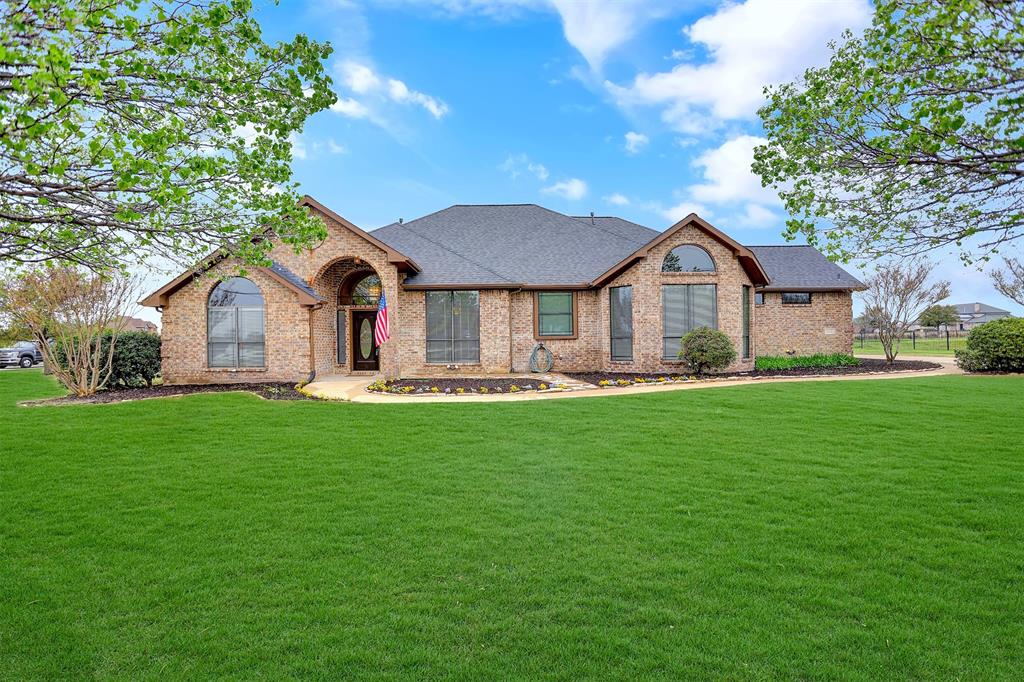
(646, 110)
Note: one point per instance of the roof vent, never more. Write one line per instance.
(400, 220)
(592, 218)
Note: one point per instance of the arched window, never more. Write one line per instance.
(688, 258)
(234, 318)
(365, 291)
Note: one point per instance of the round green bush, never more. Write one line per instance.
(996, 346)
(705, 349)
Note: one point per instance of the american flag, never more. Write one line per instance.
(381, 330)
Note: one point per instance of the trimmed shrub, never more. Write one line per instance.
(769, 362)
(136, 360)
(706, 349)
(996, 346)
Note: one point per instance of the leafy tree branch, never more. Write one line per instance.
(131, 129)
(911, 139)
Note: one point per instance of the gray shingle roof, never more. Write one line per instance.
(511, 244)
(801, 268)
(978, 308)
(620, 227)
(293, 278)
(516, 244)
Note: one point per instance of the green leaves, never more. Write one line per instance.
(909, 139)
(121, 130)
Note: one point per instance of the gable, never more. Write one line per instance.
(275, 272)
(746, 258)
(336, 221)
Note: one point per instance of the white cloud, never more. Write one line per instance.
(518, 164)
(572, 189)
(635, 142)
(374, 90)
(755, 215)
(597, 27)
(359, 78)
(298, 146)
(727, 175)
(617, 199)
(335, 148)
(750, 45)
(346, 106)
(676, 213)
(727, 182)
(594, 27)
(400, 92)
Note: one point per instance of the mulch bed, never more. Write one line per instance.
(269, 390)
(450, 385)
(866, 366)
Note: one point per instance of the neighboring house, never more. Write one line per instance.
(134, 324)
(473, 289)
(973, 314)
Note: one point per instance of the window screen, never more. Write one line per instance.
(453, 327)
(621, 316)
(686, 307)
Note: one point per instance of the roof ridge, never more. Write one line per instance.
(566, 215)
(614, 234)
(525, 204)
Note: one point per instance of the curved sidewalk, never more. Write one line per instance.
(353, 389)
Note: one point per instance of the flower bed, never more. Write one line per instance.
(461, 386)
(270, 391)
(866, 366)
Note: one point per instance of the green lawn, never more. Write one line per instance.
(825, 530)
(919, 347)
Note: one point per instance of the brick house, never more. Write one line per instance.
(474, 289)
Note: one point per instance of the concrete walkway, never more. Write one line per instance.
(339, 386)
(353, 388)
(633, 390)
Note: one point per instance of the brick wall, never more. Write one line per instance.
(323, 268)
(183, 347)
(494, 335)
(646, 278)
(824, 326)
(581, 353)
(286, 321)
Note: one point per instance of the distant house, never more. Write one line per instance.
(134, 324)
(973, 314)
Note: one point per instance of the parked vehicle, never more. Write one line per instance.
(22, 353)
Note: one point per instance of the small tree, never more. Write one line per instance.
(706, 349)
(1010, 282)
(898, 293)
(938, 315)
(69, 312)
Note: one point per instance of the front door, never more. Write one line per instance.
(364, 353)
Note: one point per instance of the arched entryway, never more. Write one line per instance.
(344, 325)
(358, 299)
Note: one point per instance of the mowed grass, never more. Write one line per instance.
(824, 530)
(921, 346)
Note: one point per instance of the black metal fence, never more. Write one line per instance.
(923, 340)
